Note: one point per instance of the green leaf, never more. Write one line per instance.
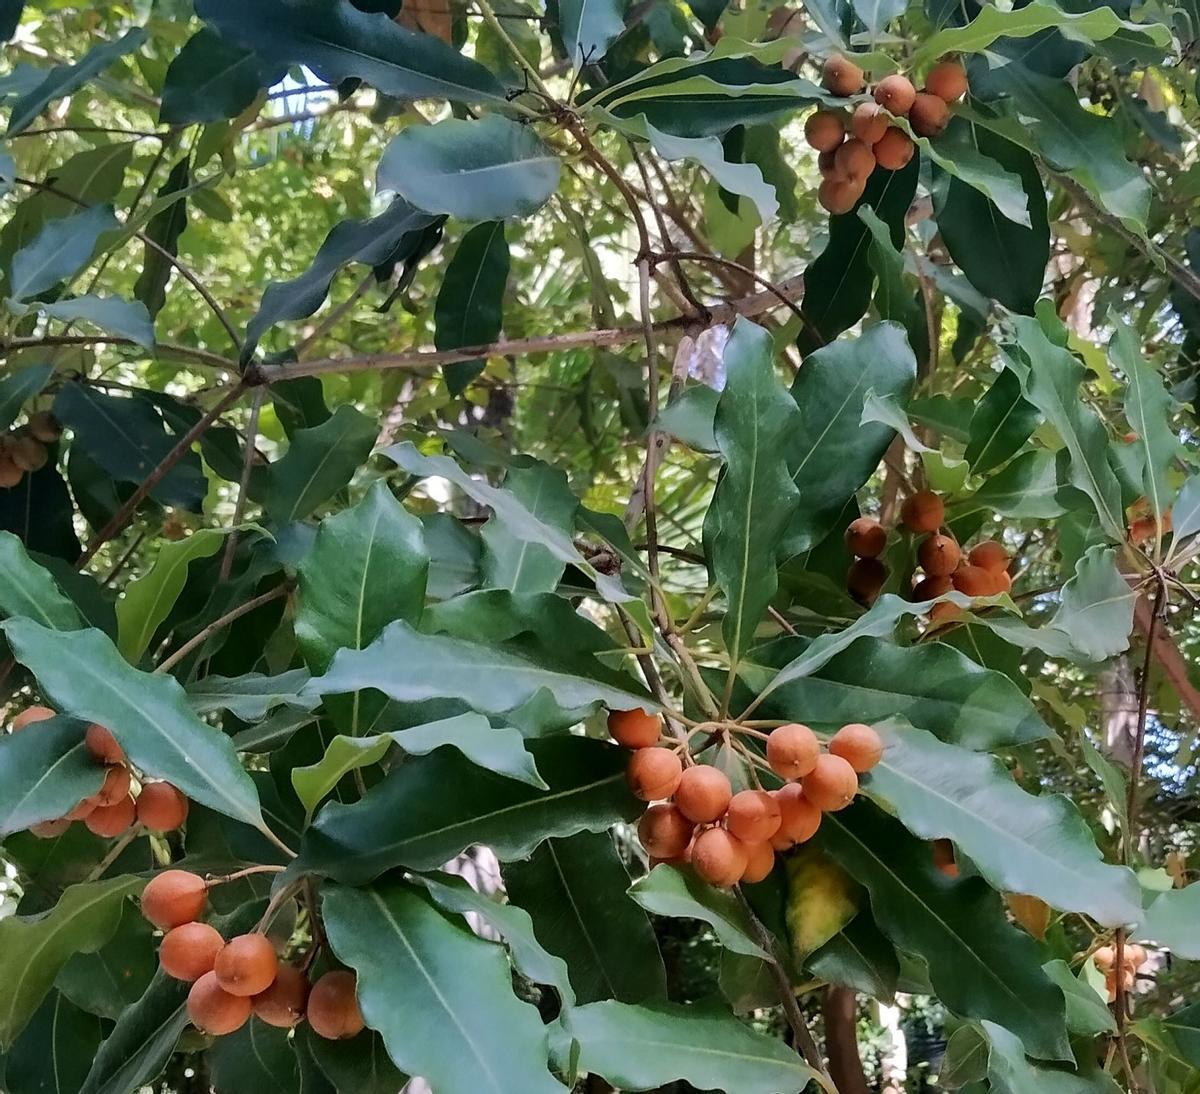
(320, 461)
(992, 23)
(359, 1065)
(58, 251)
(1009, 1072)
(1020, 843)
(441, 997)
(933, 686)
(489, 169)
(963, 151)
(124, 318)
(1051, 383)
(680, 893)
(210, 79)
(162, 233)
(1147, 409)
(689, 417)
(574, 891)
(54, 1052)
(512, 923)
(1087, 1011)
(1003, 421)
(831, 455)
(894, 298)
(1185, 512)
(83, 675)
(859, 957)
(966, 1058)
(886, 410)
(511, 561)
(490, 678)
(149, 599)
(495, 748)
(338, 41)
(27, 589)
(18, 387)
(44, 772)
(370, 242)
(126, 439)
(425, 826)
(63, 80)
(1027, 487)
(250, 697)
(979, 965)
(755, 496)
(117, 974)
(645, 1047)
(1096, 611)
(34, 948)
(1002, 257)
(256, 1057)
(1173, 921)
(588, 28)
(876, 14)
(470, 303)
(1177, 1035)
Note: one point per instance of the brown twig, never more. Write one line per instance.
(239, 507)
(169, 349)
(218, 624)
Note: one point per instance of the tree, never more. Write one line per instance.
(721, 479)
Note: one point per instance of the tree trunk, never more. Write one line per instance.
(841, 1040)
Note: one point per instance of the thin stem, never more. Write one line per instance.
(123, 561)
(164, 349)
(239, 508)
(535, 77)
(210, 880)
(114, 853)
(219, 624)
(275, 903)
(766, 283)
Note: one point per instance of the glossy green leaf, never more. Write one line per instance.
(1009, 1072)
(966, 1058)
(10, 17)
(58, 251)
(831, 455)
(1051, 383)
(589, 27)
(1020, 843)
(512, 923)
(27, 589)
(933, 686)
(511, 561)
(876, 14)
(1096, 611)
(426, 827)
(250, 697)
(574, 891)
(149, 599)
(162, 233)
(470, 303)
(860, 957)
(53, 1054)
(489, 169)
(18, 387)
(495, 748)
(34, 948)
(124, 318)
(1028, 487)
(1087, 1010)
(963, 151)
(679, 892)
(210, 79)
(648, 1046)
(755, 497)
(979, 965)
(1003, 421)
(359, 1065)
(320, 461)
(339, 41)
(83, 675)
(886, 410)
(1177, 1035)
(117, 974)
(44, 773)
(689, 417)
(1173, 921)
(63, 80)
(256, 1057)
(441, 997)
(894, 297)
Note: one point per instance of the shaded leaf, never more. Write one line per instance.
(859, 957)
(29, 590)
(44, 773)
(256, 1057)
(164, 229)
(588, 28)
(252, 696)
(1009, 1072)
(54, 1052)
(124, 318)
(1173, 921)
(1003, 421)
(509, 560)
(18, 387)
(470, 303)
(58, 251)
(359, 1065)
(1096, 611)
(117, 974)
(210, 79)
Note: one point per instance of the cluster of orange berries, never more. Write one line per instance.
(24, 450)
(846, 162)
(232, 980)
(1133, 957)
(112, 810)
(730, 838)
(983, 571)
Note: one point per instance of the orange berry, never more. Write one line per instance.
(664, 831)
(895, 93)
(333, 1010)
(760, 861)
(50, 829)
(634, 728)
(894, 149)
(989, 554)
(111, 820)
(831, 785)
(859, 745)
(865, 578)
(246, 964)
(30, 715)
(10, 473)
(943, 857)
(947, 81)
(869, 123)
(974, 581)
(938, 555)
(753, 816)
(190, 950)
(173, 897)
(1135, 956)
(841, 76)
(929, 115)
(825, 164)
(824, 130)
(103, 745)
(115, 787)
(283, 1003)
(865, 538)
(653, 773)
(213, 1010)
(44, 427)
(923, 512)
(161, 807)
(703, 793)
(1105, 957)
(719, 857)
(854, 161)
(792, 750)
(28, 453)
(931, 588)
(83, 810)
(799, 819)
(838, 195)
